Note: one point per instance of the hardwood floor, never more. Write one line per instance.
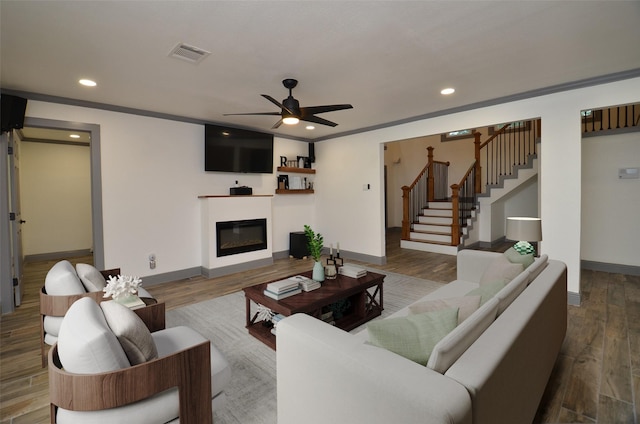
(596, 378)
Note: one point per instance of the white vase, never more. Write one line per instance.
(318, 272)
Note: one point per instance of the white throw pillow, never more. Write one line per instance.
(86, 344)
(62, 280)
(500, 269)
(132, 333)
(91, 278)
(466, 306)
(447, 351)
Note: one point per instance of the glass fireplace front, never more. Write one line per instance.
(235, 237)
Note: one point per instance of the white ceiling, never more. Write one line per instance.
(389, 59)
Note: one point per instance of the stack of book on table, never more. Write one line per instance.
(328, 317)
(275, 320)
(282, 289)
(306, 283)
(352, 271)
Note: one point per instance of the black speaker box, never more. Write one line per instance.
(312, 152)
(240, 191)
(12, 109)
(298, 247)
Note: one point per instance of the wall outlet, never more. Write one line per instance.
(152, 261)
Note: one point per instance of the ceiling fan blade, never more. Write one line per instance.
(318, 120)
(254, 113)
(312, 110)
(277, 103)
(277, 124)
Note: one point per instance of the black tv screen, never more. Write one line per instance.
(234, 150)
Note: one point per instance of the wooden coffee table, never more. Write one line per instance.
(364, 304)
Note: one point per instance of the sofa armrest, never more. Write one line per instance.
(471, 264)
(328, 375)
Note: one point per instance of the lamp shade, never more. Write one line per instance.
(524, 229)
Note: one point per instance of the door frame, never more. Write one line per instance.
(96, 177)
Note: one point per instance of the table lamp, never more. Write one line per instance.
(524, 230)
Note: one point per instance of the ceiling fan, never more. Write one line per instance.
(291, 112)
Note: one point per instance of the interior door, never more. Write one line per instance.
(16, 218)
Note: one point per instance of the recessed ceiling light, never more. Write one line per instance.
(87, 82)
(310, 127)
(447, 91)
(74, 136)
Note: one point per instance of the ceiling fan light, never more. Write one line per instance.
(290, 120)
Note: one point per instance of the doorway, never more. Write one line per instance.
(94, 221)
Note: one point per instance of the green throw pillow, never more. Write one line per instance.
(487, 291)
(516, 257)
(413, 336)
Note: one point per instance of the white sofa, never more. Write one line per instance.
(474, 375)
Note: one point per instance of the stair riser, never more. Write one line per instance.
(440, 205)
(434, 220)
(432, 228)
(437, 212)
(430, 237)
(426, 247)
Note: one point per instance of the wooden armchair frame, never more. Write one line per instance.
(57, 306)
(189, 370)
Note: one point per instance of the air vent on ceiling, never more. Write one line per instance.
(189, 53)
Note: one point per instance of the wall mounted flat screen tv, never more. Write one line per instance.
(235, 150)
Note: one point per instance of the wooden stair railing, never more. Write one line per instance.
(463, 199)
(426, 187)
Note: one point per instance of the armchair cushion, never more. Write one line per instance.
(86, 344)
(132, 333)
(501, 269)
(174, 339)
(91, 278)
(62, 279)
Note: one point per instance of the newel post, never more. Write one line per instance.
(455, 212)
(430, 179)
(478, 168)
(406, 222)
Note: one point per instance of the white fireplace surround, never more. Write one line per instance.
(233, 208)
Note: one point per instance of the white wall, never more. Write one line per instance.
(152, 175)
(610, 206)
(355, 159)
(55, 189)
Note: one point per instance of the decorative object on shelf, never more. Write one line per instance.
(524, 230)
(330, 271)
(265, 315)
(123, 289)
(315, 242)
(339, 308)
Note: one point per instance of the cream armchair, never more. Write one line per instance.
(63, 285)
(108, 368)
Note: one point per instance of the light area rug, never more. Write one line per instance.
(251, 394)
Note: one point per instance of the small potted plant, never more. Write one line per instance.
(315, 244)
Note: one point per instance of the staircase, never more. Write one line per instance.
(447, 225)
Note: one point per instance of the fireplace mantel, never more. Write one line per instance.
(220, 208)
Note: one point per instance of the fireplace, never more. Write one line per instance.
(235, 237)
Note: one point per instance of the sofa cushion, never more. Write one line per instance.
(133, 335)
(62, 280)
(487, 291)
(500, 269)
(466, 306)
(447, 351)
(538, 265)
(509, 292)
(91, 278)
(86, 344)
(516, 257)
(413, 336)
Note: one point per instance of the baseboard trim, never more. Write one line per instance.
(57, 255)
(613, 268)
(573, 298)
(232, 269)
(183, 274)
